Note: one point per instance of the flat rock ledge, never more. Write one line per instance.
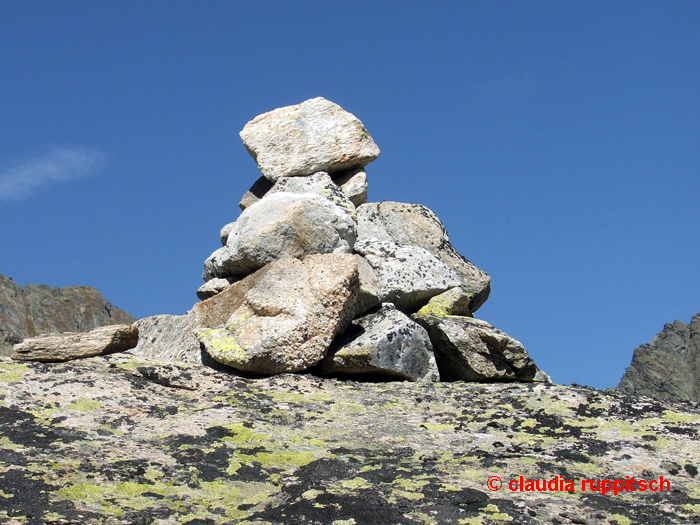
(111, 440)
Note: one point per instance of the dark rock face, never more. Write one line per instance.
(41, 309)
(668, 368)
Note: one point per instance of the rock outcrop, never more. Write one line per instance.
(668, 368)
(66, 346)
(267, 311)
(40, 309)
(111, 440)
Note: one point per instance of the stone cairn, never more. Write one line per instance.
(312, 277)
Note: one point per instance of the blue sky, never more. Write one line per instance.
(559, 143)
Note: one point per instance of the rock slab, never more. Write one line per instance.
(383, 343)
(316, 135)
(75, 345)
(468, 349)
(282, 318)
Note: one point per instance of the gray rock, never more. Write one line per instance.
(369, 294)
(168, 338)
(468, 349)
(213, 287)
(408, 275)
(383, 343)
(282, 318)
(353, 183)
(279, 226)
(316, 135)
(256, 192)
(415, 225)
(39, 309)
(75, 345)
(668, 368)
(319, 183)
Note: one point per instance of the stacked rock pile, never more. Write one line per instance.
(313, 277)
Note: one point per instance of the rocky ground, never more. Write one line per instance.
(111, 440)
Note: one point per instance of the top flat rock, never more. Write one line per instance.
(316, 135)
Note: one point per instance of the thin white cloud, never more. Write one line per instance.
(58, 165)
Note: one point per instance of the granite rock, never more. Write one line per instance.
(353, 182)
(282, 318)
(168, 338)
(383, 343)
(415, 225)
(279, 226)
(468, 349)
(316, 135)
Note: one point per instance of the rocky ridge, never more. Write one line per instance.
(40, 309)
(668, 368)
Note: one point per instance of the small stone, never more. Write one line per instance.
(67, 346)
(319, 183)
(256, 192)
(353, 183)
(316, 135)
(213, 287)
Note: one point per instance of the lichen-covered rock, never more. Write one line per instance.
(213, 287)
(110, 440)
(353, 183)
(468, 349)
(168, 338)
(455, 301)
(284, 317)
(408, 275)
(668, 368)
(67, 346)
(383, 343)
(279, 226)
(316, 135)
(415, 225)
(319, 183)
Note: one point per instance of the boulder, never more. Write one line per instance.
(319, 183)
(408, 275)
(168, 338)
(415, 225)
(316, 135)
(383, 343)
(468, 349)
(256, 192)
(75, 345)
(455, 301)
(353, 182)
(279, 226)
(282, 318)
(213, 287)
